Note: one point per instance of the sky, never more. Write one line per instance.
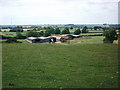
(19, 12)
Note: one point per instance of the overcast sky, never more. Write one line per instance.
(58, 11)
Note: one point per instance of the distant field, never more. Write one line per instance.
(9, 29)
(13, 34)
(89, 64)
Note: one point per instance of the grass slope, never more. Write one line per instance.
(28, 65)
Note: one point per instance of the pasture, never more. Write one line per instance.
(89, 64)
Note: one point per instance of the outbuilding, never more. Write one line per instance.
(41, 39)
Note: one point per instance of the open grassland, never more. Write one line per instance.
(40, 65)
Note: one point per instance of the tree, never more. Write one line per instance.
(16, 29)
(47, 28)
(57, 31)
(40, 33)
(51, 30)
(34, 29)
(66, 28)
(18, 35)
(84, 30)
(66, 31)
(32, 34)
(77, 32)
(47, 33)
(110, 36)
(97, 27)
(71, 27)
(39, 28)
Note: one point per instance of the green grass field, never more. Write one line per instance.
(12, 34)
(39, 65)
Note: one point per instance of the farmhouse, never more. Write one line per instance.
(41, 39)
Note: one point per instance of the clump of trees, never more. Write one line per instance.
(97, 27)
(47, 33)
(16, 29)
(110, 36)
(65, 31)
(57, 31)
(34, 34)
(71, 27)
(20, 36)
(12, 40)
(77, 32)
(84, 30)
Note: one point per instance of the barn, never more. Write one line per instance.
(41, 39)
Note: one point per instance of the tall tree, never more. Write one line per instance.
(84, 30)
(57, 31)
(71, 27)
(77, 32)
(47, 33)
(65, 31)
(110, 36)
(32, 34)
(18, 35)
(40, 33)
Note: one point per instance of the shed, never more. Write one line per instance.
(41, 39)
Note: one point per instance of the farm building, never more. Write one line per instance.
(77, 36)
(41, 39)
(68, 36)
(65, 37)
(57, 38)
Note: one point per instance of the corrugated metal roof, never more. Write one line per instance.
(39, 37)
(31, 37)
(42, 37)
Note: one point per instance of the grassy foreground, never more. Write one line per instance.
(28, 65)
